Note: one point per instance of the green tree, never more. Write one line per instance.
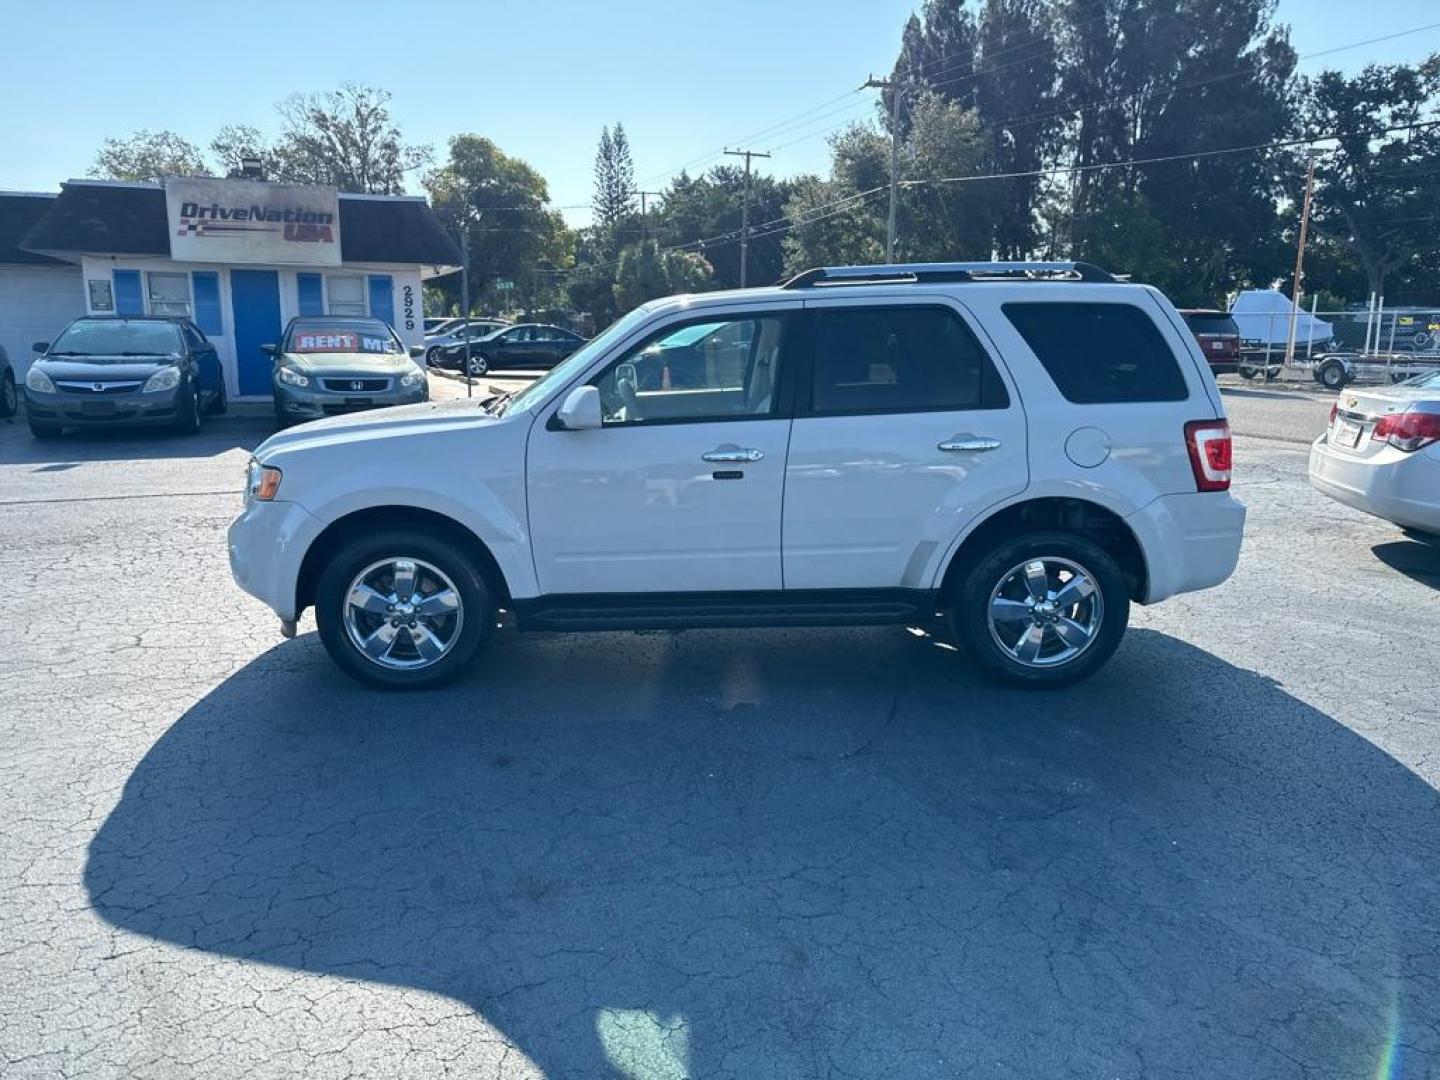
(706, 212)
(646, 271)
(1378, 191)
(945, 221)
(345, 138)
(148, 155)
(513, 234)
(830, 226)
(614, 200)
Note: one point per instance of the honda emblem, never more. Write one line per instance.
(356, 384)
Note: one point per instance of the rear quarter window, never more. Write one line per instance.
(1100, 353)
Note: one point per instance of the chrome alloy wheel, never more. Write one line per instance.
(403, 613)
(1045, 612)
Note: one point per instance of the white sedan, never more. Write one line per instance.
(1381, 453)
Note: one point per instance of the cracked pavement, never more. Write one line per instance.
(791, 854)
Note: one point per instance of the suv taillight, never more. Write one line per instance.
(1209, 445)
(1408, 430)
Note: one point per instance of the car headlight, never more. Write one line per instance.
(293, 377)
(38, 381)
(165, 379)
(262, 482)
(413, 378)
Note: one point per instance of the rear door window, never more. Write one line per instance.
(1100, 353)
(899, 359)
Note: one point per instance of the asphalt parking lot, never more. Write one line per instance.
(793, 854)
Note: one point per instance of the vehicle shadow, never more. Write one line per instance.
(788, 854)
(217, 436)
(1415, 559)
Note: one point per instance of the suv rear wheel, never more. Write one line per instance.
(1041, 609)
(402, 609)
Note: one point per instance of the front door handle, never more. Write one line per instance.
(732, 455)
(969, 444)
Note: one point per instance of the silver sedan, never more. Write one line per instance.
(1380, 453)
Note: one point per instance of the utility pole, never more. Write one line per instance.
(645, 221)
(745, 210)
(893, 86)
(465, 297)
(1297, 288)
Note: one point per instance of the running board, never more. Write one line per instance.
(698, 611)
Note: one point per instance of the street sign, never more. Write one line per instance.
(504, 286)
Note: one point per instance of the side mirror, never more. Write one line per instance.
(40, 346)
(417, 351)
(581, 411)
(270, 349)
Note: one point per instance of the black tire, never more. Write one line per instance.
(432, 356)
(1248, 371)
(45, 431)
(220, 402)
(968, 609)
(477, 609)
(281, 420)
(9, 400)
(187, 421)
(1331, 375)
(477, 365)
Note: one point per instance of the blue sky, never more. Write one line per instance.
(540, 78)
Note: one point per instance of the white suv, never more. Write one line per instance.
(1025, 447)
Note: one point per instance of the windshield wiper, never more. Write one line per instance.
(496, 405)
(71, 353)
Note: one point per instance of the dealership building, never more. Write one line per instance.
(239, 257)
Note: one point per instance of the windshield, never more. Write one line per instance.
(1212, 324)
(341, 336)
(115, 339)
(578, 360)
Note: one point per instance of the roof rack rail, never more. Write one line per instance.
(957, 271)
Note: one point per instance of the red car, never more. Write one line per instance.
(1218, 336)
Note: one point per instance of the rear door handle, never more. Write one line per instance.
(732, 455)
(969, 444)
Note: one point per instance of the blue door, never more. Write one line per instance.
(255, 296)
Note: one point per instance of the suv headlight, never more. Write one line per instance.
(38, 381)
(165, 379)
(292, 377)
(413, 378)
(261, 481)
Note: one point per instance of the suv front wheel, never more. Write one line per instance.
(402, 609)
(1041, 609)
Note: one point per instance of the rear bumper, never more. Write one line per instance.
(1190, 541)
(1403, 489)
(267, 546)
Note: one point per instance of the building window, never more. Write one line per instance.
(346, 295)
(169, 294)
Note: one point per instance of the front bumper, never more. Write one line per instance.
(267, 545)
(103, 410)
(309, 403)
(1189, 541)
(1399, 487)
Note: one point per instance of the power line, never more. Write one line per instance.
(745, 209)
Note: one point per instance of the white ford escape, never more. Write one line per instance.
(1025, 447)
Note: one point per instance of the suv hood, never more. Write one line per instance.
(378, 423)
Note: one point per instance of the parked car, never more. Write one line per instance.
(9, 401)
(1380, 453)
(333, 364)
(1218, 336)
(437, 325)
(446, 348)
(1027, 447)
(108, 370)
(524, 346)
